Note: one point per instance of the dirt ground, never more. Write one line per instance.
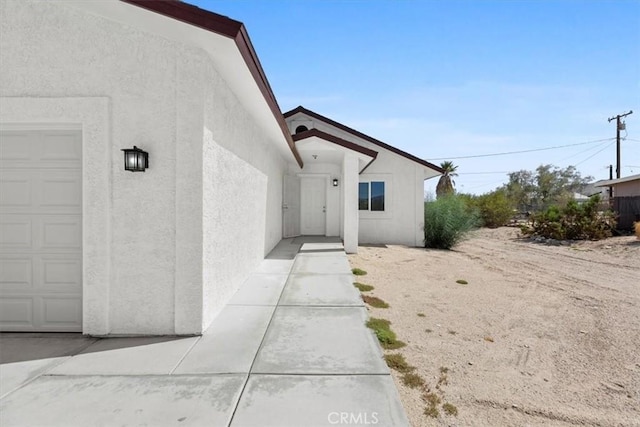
(540, 336)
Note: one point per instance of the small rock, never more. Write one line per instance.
(526, 346)
(470, 363)
(514, 406)
(607, 247)
(546, 380)
(583, 332)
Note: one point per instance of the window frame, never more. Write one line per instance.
(369, 183)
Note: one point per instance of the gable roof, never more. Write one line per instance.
(367, 138)
(235, 30)
(338, 141)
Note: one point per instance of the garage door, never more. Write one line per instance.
(40, 230)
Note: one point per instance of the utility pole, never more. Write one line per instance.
(619, 125)
(610, 178)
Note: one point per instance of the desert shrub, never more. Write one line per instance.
(446, 221)
(495, 208)
(572, 222)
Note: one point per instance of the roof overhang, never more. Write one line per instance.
(321, 147)
(613, 182)
(224, 39)
(432, 168)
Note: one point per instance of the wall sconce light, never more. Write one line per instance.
(335, 182)
(135, 159)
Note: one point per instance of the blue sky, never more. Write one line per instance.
(443, 79)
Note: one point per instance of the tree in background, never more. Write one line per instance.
(548, 185)
(446, 182)
(495, 208)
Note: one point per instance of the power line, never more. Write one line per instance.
(522, 151)
(483, 173)
(599, 151)
(583, 151)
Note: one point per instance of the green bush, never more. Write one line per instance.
(572, 222)
(446, 221)
(495, 208)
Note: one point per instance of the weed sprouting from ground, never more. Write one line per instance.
(450, 409)
(394, 345)
(443, 380)
(412, 380)
(432, 400)
(396, 361)
(362, 287)
(462, 282)
(452, 332)
(421, 315)
(358, 272)
(374, 301)
(382, 329)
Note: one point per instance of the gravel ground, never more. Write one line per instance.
(540, 336)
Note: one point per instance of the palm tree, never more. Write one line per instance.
(446, 182)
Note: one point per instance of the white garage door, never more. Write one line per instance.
(41, 230)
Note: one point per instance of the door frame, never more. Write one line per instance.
(325, 177)
(92, 115)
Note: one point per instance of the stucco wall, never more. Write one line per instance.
(243, 180)
(157, 262)
(404, 205)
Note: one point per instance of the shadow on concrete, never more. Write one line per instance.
(27, 346)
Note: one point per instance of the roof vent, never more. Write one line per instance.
(301, 128)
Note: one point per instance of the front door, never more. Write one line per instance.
(313, 200)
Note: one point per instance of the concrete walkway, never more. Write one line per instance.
(290, 349)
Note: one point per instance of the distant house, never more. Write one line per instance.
(626, 199)
(87, 246)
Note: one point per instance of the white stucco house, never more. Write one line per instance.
(88, 246)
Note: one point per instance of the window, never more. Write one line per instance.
(371, 196)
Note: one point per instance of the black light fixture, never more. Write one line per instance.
(135, 159)
(335, 182)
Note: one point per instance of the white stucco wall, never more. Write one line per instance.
(166, 266)
(403, 219)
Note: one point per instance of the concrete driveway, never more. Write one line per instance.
(290, 349)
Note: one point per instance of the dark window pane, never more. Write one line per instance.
(363, 196)
(377, 196)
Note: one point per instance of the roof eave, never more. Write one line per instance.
(230, 28)
(301, 109)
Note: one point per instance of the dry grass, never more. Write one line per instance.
(412, 380)
(374, 301)
(450, 409)
(362, 287)
(397, 362)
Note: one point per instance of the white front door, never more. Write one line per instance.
(313, 198)
(291, 207)
(41, 230)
